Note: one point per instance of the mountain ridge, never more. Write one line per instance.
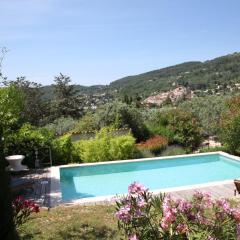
(194, 74)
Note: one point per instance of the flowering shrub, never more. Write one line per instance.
(22, 209)
(143, 216)
(155, 144)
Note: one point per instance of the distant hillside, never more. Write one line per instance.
(83, 90)
(196, 75)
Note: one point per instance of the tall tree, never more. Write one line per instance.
(66, 101)
(35, 109)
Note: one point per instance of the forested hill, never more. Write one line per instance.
(197, 75)
(82, 90)
(223, 70)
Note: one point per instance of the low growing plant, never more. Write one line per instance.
(155, 144)
(22, 209)
(173, 150)
(143, 216)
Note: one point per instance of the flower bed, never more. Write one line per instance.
(143, 216)
(155, 144)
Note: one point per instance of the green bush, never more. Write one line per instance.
(230, 126)
(186, 129)
(213, 149)
(26, 140)
(87, 123)
(121, 115)
(64, 151)
(30, 138)
(122, 147)
(208, 110)
(173, 150)
(11, 108)
(158, 124)
(178, 126)
(106, 147)
(61, 125)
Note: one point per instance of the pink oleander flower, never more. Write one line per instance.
(224, 205)
(136, 188)
(141, 203)
(236, 214)
(137, 213)
(238, 230)
(203, 199)
(182, 228)
(169, 212)
(205, 221)
(124, 213)
(183, 205)
(167, 204)
(164, 224)
(133, 237)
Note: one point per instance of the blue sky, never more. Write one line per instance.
(98, 41)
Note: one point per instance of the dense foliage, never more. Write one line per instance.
(11, 107)
(26, 140)
(117, 115)
(122, 115)
(35, 110)
(30, 138)
(64, 151)
(106, 147)
(230, 126)
(88, 123)
(143, 216)
(208, 111)
(178, 126)
(186, 129)
(61, 126)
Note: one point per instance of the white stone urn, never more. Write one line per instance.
(15, 163)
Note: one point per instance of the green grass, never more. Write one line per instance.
(72, 222)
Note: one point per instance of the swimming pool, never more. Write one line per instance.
(105, 179)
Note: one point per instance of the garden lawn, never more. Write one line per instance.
(72, 222)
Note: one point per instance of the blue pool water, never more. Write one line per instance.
(111, 179)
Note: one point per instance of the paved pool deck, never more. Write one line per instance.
(47, 190)
(218, 190)
(41, 193)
